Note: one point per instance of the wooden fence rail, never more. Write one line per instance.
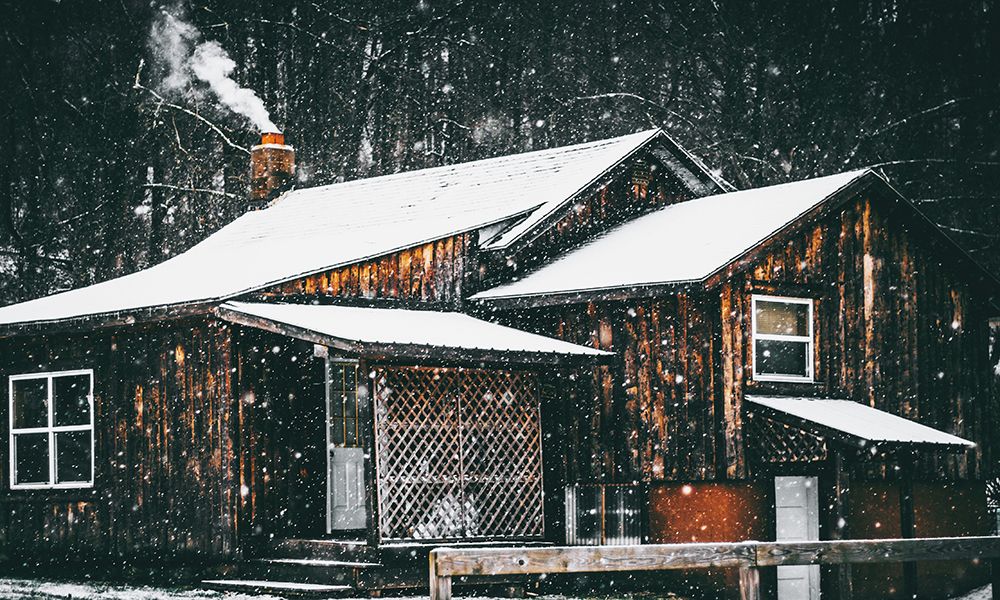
(446, 563)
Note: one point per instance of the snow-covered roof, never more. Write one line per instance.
(354, 328)
(693, 178)
(682, 242)
(312, 230)
(859, 421)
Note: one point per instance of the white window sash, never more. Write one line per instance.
(807, 339)
(51, 430)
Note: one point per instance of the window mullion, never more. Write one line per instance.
(52, 434)
(93, 434)
(783, 338)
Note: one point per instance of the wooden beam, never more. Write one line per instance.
(907, 520)
(748, 557)
(590, 559)
(440, 585)
(771, 554)
(841, 515)
(995, 578)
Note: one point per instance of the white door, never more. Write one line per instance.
(796, 505)
(347, 489)
(345, 457)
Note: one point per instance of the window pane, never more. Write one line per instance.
(337, 387)
(31, 403)
(351, 440)
(72, 400)
(31, 458)
(781, 358)
(73, 456)
(337, 432)
(350, 403)
(782, 318)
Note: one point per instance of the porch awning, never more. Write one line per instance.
(403, 333)
(855, 423)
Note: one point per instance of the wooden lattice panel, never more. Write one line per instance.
(776, 442)
(458, 454)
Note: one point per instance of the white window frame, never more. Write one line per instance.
(51, 429)
(809, 339)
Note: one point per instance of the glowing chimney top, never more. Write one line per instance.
(272, 137)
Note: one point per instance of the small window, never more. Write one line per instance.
(342, 399)
(782, 339)
(52, 430)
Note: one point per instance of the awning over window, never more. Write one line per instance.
(853, 423)
(394, 332)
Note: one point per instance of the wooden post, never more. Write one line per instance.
(995, 578)
(440, 585)
(749, 583)
(907, 520)
(841, 516)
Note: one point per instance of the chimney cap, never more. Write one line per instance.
(272, 137)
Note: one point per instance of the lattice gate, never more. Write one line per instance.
(458, 454)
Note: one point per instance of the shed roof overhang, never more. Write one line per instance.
(856, 425)
(390, 333)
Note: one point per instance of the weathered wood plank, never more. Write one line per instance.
(440, 586)
(995, 579)
(585, 559)
(769, 554)
(749, 583)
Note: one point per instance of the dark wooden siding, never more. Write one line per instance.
(897, 324)
(436, 272)
(282, 438)
(652, 415)
(165, 484)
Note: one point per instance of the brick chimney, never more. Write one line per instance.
(272, 166)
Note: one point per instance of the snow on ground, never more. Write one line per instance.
(19, 589)
(16, 589)
(983, 593)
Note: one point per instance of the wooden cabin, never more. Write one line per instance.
(596, 344)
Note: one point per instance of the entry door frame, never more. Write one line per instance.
(812, 507)
(363, 437)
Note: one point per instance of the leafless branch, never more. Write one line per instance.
(164, 102)
(968, 231)
(453, 122)
(897, 123)
(933, 161)
(45, 257)
(760, 162)
(954, 197)
(179, 188)
(79, 216)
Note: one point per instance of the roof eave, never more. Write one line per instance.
(410, 352)
(106, 320)
(581, 296)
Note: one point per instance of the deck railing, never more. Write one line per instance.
(748, 557)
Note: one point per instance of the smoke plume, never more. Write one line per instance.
(185, 58)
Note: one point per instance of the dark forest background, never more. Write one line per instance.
(99, 176)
